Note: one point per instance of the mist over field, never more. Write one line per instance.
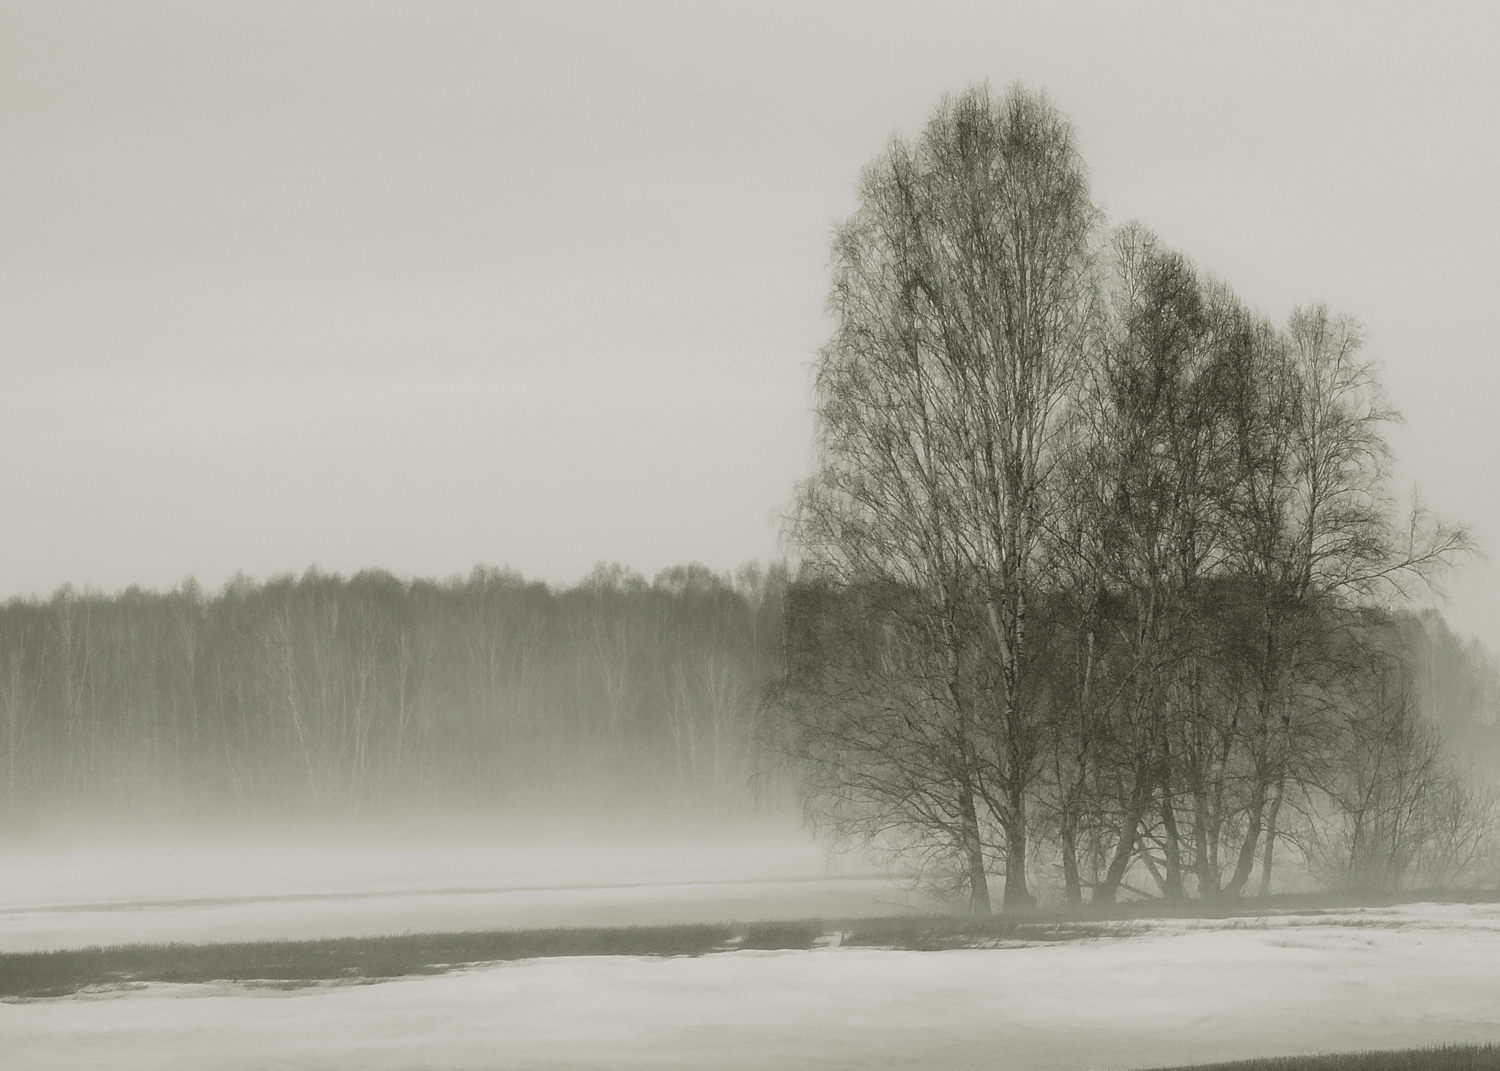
(288, 885)
(623, 534)
(488, 748)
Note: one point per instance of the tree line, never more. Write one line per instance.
(334, 699)
(1100, 571)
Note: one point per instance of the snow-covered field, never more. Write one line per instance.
(1158, 993)
(1177, 992)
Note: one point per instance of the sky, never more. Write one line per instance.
(420, 286)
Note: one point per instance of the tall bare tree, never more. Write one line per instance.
(961, 289)
(1136, 539)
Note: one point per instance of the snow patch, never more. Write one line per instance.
(1178, 991)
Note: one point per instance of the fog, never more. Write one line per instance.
(295, 885)
(341, 756)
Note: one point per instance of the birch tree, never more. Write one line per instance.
(960, 293)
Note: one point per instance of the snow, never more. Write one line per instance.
(1173, 992)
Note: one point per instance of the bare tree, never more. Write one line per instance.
(1386, 796)
(1316, 537)
(960, 289)
(1138, 536)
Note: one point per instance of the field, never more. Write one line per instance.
(899, 991)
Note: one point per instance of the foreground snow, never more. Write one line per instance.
(1177, 993)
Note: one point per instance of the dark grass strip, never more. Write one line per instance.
(1443, 1058)
(933, 933)
(25, 975)
(58, 973)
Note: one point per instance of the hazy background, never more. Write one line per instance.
(418, 286)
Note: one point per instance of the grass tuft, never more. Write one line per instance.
(796, 933)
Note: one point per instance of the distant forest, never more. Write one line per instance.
(342, 699)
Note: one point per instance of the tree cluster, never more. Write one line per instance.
(1098, 565)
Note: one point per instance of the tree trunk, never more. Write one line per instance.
(1173, 889)
(1246, 861)
(979, 882)
(1072, 885)
(1143, 853)
(1105, 891)
(1205, 863)
(1270, 848)
(979, 885)
(1017, 896)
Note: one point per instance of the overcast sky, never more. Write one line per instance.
(417, 286)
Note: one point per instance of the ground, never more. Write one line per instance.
(1169, 993)
(1149, 993)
